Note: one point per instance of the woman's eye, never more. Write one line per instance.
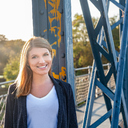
(34, 57)
(46, 54)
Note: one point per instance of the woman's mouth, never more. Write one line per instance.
(42, 67)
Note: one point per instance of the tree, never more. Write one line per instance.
(3, 56)
(2, 38)
(8, 48)
(81, 46)
(12, 68)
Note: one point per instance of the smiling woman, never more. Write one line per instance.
(33, 56)
(36, 98)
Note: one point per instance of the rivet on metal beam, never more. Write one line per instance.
(41, 12)
(63, 55)
(42, 34)
(61, 11)
(62, 33)
(64, 78)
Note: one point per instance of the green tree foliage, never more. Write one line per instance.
(3, 56)
(12, 68)
(8, 49)
(81, 46)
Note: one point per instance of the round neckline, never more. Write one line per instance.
(31, 95)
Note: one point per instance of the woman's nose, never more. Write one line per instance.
(41, 60)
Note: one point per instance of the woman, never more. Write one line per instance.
(36, 99)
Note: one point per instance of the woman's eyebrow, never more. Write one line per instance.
(33, 55)
(46, 52)
(36, 54)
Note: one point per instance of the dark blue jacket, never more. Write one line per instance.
(16, 112)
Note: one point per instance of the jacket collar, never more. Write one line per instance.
(60, 96)
(22, 103)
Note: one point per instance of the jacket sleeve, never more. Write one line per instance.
(72, 111)
(8, 123)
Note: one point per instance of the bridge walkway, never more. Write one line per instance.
(99, 109)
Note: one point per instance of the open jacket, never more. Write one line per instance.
(16, 111)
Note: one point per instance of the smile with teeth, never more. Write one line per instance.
(42, 67)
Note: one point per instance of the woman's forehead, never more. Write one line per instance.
(36, 50)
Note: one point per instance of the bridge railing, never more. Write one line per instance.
(82, 83)
(3, 100)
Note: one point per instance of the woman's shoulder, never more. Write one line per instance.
(12, 88)
(65, 85)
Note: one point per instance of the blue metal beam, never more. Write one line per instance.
(106, 90)
(110, 55)
(118, 5)
(95, 50)
(125, 86)
(69, 44)
(91, 92)
(122, 2)
(117, 23)
(121, 69)
(101, 120)
(90, 99)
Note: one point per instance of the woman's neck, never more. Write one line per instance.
(41, 80)
(41, 86)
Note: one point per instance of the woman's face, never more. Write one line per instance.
(40, 61)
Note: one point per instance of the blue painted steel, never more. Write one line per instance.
(90, 99)
(69, 43)
(125, 86)
(102, 119)
(110, 54)
(38, 15)
(96, 54)
(117, 23)
(52, 20)
(122, 2)
(121, 69)
(106, 90)
(124, 110)
(118, 4)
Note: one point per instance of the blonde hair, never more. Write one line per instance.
(25, 76)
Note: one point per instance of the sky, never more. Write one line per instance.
(16, 17)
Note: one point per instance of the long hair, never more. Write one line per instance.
(25, 76)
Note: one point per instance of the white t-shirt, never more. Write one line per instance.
(42, 112)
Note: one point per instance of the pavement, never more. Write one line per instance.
(99, 109)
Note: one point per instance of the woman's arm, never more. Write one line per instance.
(9, 108)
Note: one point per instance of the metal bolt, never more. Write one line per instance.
(63, 55)
(61, 11)
(62, 33)
(42, 34)
(41, 12)
(64, 78)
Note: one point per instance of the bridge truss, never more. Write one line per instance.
(52, 20)
(102, 44)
